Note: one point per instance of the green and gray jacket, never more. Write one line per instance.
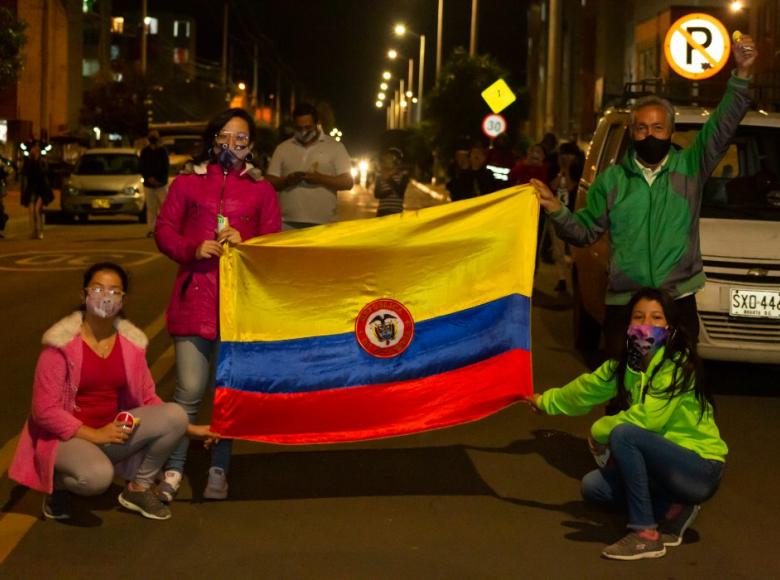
(675, 419)
(654, 230)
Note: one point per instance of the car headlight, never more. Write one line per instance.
(71, 190)
(130, 190)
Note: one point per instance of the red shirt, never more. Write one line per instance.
(97, 400)
(523, 173)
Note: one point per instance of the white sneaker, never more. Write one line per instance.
(169, 486)
(217, 487)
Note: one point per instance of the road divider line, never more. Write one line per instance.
(429, 191)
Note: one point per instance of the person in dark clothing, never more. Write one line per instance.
(36, 190)
(154, 170)
(391, 182)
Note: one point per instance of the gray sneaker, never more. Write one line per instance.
(634, 547)
(672, 531)
(144, 502)
(57, 505)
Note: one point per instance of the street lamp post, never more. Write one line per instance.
(401, 30)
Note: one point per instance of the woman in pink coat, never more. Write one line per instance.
(221, 199)
(93, 366)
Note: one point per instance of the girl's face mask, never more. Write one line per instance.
(103, 305)
(643, 341)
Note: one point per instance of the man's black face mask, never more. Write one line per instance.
(652, 150)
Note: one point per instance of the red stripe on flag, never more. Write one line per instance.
(375, 411)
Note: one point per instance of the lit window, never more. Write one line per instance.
(181, 56)
(118, 25)
(151, 25)
(114, 52)
(118, 76)
(90, 67)
(181, 28)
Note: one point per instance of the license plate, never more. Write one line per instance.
(101, 204)
(755, 303)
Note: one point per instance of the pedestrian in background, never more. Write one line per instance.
(93, 366)
(391, 182)
(564, 184)
(661, 455)
(4, 167)
(154, 169)
(220, 199)
(308, 170)
(36, 190)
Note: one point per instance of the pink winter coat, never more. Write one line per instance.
(189, 217)
(56, 382)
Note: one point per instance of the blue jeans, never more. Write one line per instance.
(648, 474)
(193, 371)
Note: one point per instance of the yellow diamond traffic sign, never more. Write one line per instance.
(498, 96)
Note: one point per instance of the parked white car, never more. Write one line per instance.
(105, 181)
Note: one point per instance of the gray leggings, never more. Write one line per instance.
(84, 468)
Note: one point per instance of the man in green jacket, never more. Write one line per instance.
(650, 203)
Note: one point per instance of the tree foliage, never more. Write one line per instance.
(12, 40)
(455, 107)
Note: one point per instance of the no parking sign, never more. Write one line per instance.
(697, 46)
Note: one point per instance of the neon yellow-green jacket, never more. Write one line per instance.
(676, 420)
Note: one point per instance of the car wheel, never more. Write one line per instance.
(587, 331)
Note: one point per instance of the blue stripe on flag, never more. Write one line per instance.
(440, 344)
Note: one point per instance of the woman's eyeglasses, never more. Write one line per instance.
(239, 139)
(98, 291)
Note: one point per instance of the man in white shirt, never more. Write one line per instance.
(307, 170)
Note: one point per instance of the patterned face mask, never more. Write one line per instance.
(103, 305)
(643, 340)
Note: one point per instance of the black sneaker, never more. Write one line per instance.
(672, 531)
(144, 502)
(57, 505)
(634, 547)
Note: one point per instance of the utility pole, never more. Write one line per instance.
(553, 64)
(410, 90)
(144, 15)
(439, 33)
(474, 15)
(225, 43)
(255, 74)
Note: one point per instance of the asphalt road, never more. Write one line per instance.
(498, 498)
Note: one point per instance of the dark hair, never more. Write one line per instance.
(216, 124)
(303, 109)
(569, 148)
(395, 152)
(110, 266)
(679, 348)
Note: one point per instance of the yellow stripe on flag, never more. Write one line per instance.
(435, 261)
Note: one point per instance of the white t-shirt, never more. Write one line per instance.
(307, 202)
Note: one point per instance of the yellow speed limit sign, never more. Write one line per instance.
(697, 46)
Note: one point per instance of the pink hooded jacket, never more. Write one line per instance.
(56, 382)
(189, 217)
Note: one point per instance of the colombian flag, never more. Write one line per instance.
(378, 327)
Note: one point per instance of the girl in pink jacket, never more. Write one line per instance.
(221, 199)
(94, 408)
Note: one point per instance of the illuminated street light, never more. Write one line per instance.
(387, 75)
(736, 6)
(379, 104)
(399, 29)
(414, 100)
(392, 54)
(409, 94)
(403, 104)
(242, 86)
(381, 96)
(383, 86)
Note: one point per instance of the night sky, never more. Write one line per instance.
(336, 48)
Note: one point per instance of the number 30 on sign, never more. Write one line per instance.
(493, 125)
